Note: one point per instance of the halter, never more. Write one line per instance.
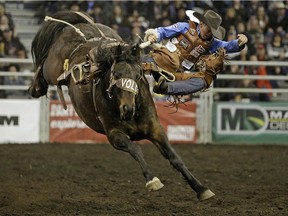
(125, 84)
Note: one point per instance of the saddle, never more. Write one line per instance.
(86, 71)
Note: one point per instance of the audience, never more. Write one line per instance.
(12, 44)
(260, 83)
(14, 80)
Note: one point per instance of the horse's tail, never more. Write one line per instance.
(49, 32)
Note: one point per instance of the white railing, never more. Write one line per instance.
(16, 60)
(21, 74)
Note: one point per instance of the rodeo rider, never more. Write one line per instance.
(187, 41)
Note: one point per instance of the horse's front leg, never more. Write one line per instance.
(121, 141)
(161, 141)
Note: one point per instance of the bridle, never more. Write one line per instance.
(125, 84)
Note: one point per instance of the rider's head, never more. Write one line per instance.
(210, 23)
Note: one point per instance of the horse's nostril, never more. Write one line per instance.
(127, 112)
(128, 109)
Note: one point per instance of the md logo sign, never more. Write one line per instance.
(251, 119)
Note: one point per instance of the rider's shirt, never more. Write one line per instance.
(184, 37)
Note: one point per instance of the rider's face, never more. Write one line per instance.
(205, 31)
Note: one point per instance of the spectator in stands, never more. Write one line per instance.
(14, 80)
(239, 10)
(109, 10)
(75, 6)
(11, 43)
(166, 22)
(119, 22)
(231, 18)
(241, 27)
(232, 34)
(262, 56)
(3, 12)
(4, 23)
(97, 13)
(245, 96)
(142, 8)
(251, 8)
(21, 53)
(261, 84)
(232, 70)
(261, 53)
(160, 11)
(279, 18)
(283, 57)
(255, 35)
(136, 20)
(262, 18)
(276, 47)
(181, 15)
(174, 8)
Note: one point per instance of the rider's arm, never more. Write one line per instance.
(171, 31)
(230, 46)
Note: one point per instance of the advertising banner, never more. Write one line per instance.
(67, 127)
(19, 121)
(181, 125)
(265, 123)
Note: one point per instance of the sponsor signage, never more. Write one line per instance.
(181, 125)
(66, 126)
(19, 121)
(261, 122)
(181, 132)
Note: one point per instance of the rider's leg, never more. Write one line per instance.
(182, 87)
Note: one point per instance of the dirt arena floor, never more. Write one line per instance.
(63, 179)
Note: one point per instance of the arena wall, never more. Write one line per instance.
(203, 120)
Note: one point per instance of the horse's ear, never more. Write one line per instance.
(118, 50)
(135, 50)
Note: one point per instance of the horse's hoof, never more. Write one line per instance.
(154, 184)
(206, 194)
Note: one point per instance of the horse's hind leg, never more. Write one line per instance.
(38, 86)
(161, 141)
(121, 141)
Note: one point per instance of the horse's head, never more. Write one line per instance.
(123, 72)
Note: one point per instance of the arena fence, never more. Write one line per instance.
(272, 117)
(206, 112)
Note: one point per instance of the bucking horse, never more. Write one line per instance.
(106, 85)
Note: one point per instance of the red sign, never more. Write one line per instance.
(67, 127)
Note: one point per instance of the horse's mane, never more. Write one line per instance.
(49, 32)
(105, 55)
(126, 52)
